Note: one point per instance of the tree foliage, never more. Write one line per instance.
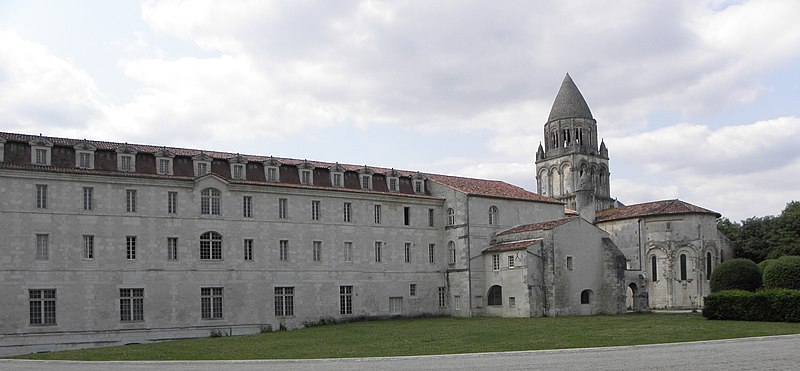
(767, 237)
(783, 273)
(736, 274)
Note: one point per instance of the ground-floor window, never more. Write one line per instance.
(211, 302)
(587, 296)
(442, 296)
(131, 305)
(346, 299)
(396, 305)
(495, 295)
(284, 301)
(42, 304)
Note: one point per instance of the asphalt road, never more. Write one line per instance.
(763, 353)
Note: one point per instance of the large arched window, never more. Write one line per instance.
(654, 268)
(211, 246)
(495, 295)
(708, 266)
(493, 215)
(451, 216)
(209, 201)
(683, 267)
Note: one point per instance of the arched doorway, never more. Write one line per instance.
(630, 302)
(587, 300)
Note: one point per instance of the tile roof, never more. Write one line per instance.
(651, 208)
(511, 246)
(490, 188)
(537, 226)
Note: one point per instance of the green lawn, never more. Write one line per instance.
(440, 336)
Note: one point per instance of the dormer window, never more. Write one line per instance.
(84, 155)
(201, 164)
(306, 172)
(164, 161)
(418, 182)
(238, 167)
(272, 170)
(126, 159)
(365, 176)
(337, 175)
(2, 148)
(41, 150)
(393, 181)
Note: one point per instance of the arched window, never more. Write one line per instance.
(708, 266)
(451, 250)
(654, 268)
(451, 216)
(683, 267)
(209, 201)
(587, 296)
(495, 295)
(493, 215)
(211, 246)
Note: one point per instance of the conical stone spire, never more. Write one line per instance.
(569, 103)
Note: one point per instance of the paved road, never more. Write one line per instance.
(764, 353)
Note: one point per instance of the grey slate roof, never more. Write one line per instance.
(569, 102)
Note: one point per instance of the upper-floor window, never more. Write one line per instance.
(164, 166)
(41, 196)
(406, 215)
(430, 218)
(126, 158)
(2, 148)
(315, 209)
(42, 247)
(172, 202)
(201, 164)
(247, 206)
(201, 169)
(164, 161)
(347, 210)
(238, 166)
(272, 170)
(130, 200)
(209, 201)
(238, 171)
(306, 171)
(283, 208)
(211, 246)
(451, 216)
(511, 262)
(419, 186)
(272, 174)
(336, 179)
(392, 184)
(84, 160)
(126, 163)
(88, 198)
(451, 249)
(366, 181)
(493, 215)
(305, 177)
(377, 214)
(495, 262)
(41, 150)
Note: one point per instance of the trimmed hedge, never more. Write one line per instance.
(736, 274)
(772, 305)
(783, 273)
(764, 263)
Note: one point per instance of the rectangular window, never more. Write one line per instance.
(130, 247)
(569, 263)
(238, 171)
(284, 301)
(210, 246)
(272, 174)
(512, 302)
(84, 160)
(345, 299)
(42, 247)
(457, 302)
(130, 200)
(41, 157)
(88, 198)
(406, 215)
(172, 202)
(348, 212)
(407, 252)
(496, 262)
(202, 168)
(126, 163)
(396, 305)
(412, 289)
(442, 296)
(393, 184)
(452, 251)
(431, 253)
(378, 248)
(511, 262)
(430, 218)
(248, 249)
(131, 305)
(283, 250)
(337, 180)
(41, 196)
(163, 166)
(283, 208)
(315, 206)
(348, 251)
(317, 250)
(211, 302)
(172, 248)
(418, 186)
(365, 182)
(377, 214)
(305, 176)
(88, 247)
(42, 304)
(247, 206)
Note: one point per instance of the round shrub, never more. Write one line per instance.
(763, 265)
(736, 274)
(783, 273)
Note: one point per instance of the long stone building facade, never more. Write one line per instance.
(111, 243)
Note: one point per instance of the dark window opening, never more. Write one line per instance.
(683, 267)
(495, 295)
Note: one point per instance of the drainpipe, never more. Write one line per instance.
(469, 263)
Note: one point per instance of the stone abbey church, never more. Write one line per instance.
(111, 243)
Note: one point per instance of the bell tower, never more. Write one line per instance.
(571, 151)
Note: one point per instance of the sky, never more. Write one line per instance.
(696, 100)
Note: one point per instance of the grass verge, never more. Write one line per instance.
(439, 336)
